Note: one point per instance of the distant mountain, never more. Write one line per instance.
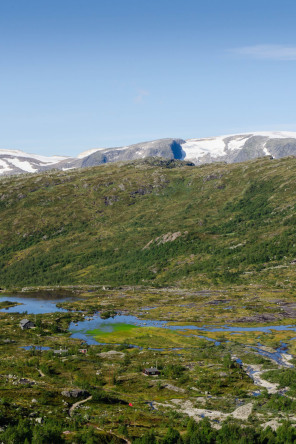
(240, 147)
(16, 162)
(167, 148)
(230, 149)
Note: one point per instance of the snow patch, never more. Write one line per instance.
(140, 154)
(46, 160)
(214, 146)
(265, 150)
(276, 134)
(4, 167)
(237, 143)
(22, 165)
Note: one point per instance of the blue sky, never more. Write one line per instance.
(81, 74)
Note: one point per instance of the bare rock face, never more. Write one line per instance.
(168, 237)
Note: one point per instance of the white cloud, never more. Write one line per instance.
(142, 93)
(267, 52)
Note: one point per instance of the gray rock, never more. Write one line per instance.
(75, 393)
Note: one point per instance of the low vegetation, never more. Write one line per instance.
(207, 252)
(146, 223)
(52, 391)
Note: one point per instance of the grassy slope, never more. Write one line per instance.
(90, 226)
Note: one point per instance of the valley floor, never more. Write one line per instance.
(226, 355)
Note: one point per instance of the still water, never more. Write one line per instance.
(43, 302)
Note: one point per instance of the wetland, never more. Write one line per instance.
(97, 343)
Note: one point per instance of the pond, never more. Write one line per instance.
(38, 303)
(36, 348)
(45, 302)
(117, 323)
(121, 323)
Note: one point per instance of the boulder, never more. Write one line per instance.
(75, 393)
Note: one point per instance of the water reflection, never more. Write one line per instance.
(37, 303)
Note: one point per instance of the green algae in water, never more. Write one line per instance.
(142, 337)
(111, 328)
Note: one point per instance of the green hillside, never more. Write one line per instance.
(151, 223)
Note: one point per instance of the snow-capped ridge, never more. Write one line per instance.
(229, 148)
(17, 161)
(43, 159)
